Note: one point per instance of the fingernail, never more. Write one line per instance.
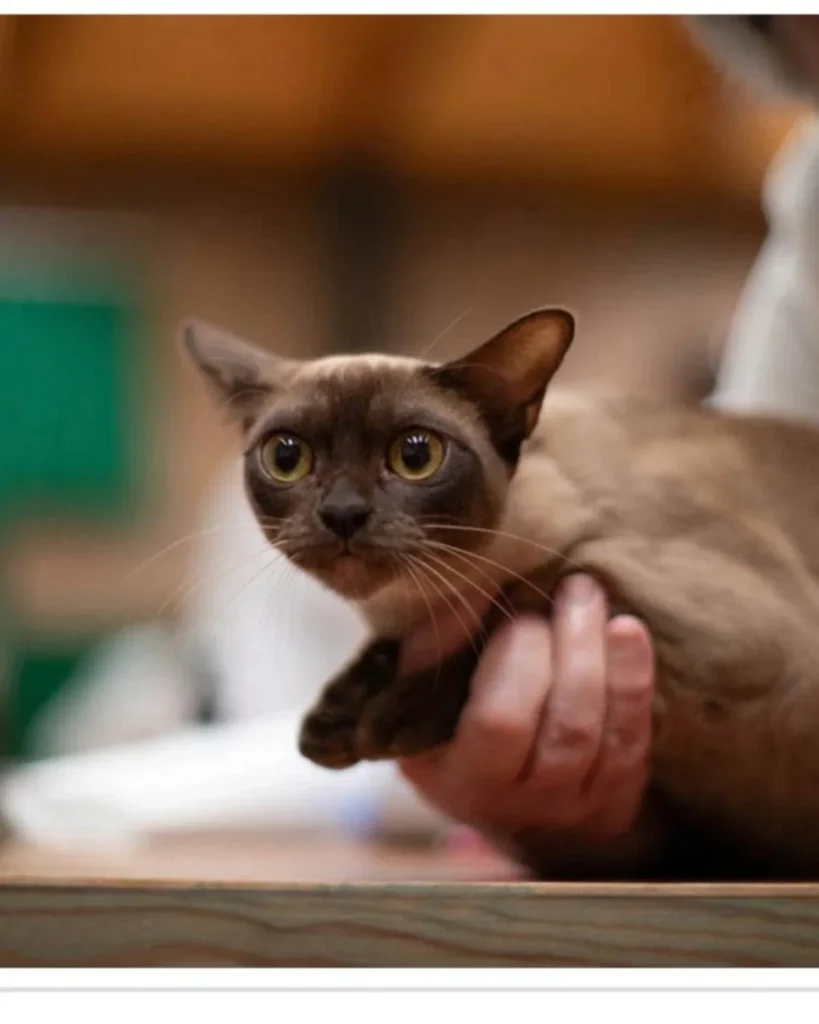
(580, 590)
(628, 654)
(621, 653)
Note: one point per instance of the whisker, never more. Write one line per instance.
(172, 547)
(467, 556)
(424, 356)
(551, 552)
(248, 583)
(420, 587)
(423, 567)
(478, 622)
(196, 535)
(282, 577)
(187, 588)
(293, 578)
(462, 576)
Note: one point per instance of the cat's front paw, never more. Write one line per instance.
(329, 734)
(329, 740)
(404, 725)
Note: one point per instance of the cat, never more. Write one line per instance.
(397, 483)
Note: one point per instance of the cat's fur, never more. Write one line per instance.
(703, 525)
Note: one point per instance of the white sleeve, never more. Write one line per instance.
(771, 361)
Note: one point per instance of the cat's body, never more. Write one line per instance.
(704, 526)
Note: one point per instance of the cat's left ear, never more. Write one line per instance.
(507, 377)
(240, 376)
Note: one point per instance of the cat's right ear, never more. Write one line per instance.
(240, 377)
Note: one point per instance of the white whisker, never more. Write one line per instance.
(466, 628)
(468, 555)
(459, 575)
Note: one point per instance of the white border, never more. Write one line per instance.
(557, 981)
(382, 1006)
(417, 7)
(611, 979)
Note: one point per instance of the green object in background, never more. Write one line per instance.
(68, 397)
(72, 395)
(41, 670)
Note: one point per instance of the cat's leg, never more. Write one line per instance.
(421, 711)
(328, 732)
(418, 712)
(368, 713)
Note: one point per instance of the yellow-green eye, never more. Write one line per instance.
(416, 454)
(287, 458)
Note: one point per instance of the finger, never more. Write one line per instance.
(436, 638)
(475, 774)
(423, 771)
(618, 782)
(497, 727)
(572, 725)
(499, 723)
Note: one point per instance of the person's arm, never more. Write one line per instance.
(771, 359)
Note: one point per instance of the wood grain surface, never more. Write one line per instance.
(412, 925)
(249, 899)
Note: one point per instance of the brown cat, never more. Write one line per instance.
(399, 484)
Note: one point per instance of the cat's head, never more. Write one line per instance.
(778, 52)
(354, 463)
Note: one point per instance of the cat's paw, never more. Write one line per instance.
(391, 728)
(328, 739)
(329, 733)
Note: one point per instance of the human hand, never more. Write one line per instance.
(553, 742)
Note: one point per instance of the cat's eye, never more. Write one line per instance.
(416, 454)
(286, 458)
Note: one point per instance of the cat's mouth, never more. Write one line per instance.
(352, 570)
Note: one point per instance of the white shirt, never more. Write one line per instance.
(771, 362)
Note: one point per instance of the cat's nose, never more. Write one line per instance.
(344, 511)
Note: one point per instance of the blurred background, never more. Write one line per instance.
(316, 184)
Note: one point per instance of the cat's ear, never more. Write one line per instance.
(240, 376)
(507, 377)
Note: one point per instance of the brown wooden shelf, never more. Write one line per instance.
(619, 103)
(247, 909)
(406, 925)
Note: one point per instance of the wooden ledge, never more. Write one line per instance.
(250, 900)
(380, 924)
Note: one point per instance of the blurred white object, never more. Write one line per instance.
(131, 688)
(247, 775)
(771, 362)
